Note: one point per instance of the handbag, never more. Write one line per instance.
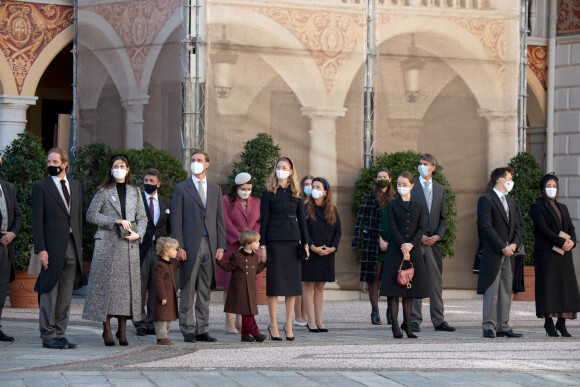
(123, 233)
(405, 276)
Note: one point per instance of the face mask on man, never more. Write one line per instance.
(54, 170)
(307, 190)
(403, 190)
(424, 170)
(508, 186)
(150, 188)
(281, 174)
(383, 183)
(196, 168)
(119, 173)
(316, 194)
(244, 194)
(551, 192)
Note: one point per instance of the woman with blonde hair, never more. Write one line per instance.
(284, 239)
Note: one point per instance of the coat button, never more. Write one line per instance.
(246, 272)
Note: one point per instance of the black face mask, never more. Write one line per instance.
(150, 188)
(54, 171)
(383, 183)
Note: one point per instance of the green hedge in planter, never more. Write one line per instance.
(408, 161)
(23, 164)
(527, 176)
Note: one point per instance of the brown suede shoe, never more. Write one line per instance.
(165, 341)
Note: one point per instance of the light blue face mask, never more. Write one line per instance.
(307, 190)
(424, 170)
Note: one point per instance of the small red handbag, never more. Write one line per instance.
(405, 276)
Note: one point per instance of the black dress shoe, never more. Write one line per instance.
(141, 331)
(189, 338)
(53, 344)
(151, 331)
(488, 334)
(248, 338)
(3, 337)
(415, 326)
(444, 327)
(67, 344)
(205, 337)
(509, 333)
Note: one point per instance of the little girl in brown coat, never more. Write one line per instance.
(242, 299)
(165, 301)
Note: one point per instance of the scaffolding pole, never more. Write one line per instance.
(193, 61)
(370, 74)
(523, 95)
(73, 115)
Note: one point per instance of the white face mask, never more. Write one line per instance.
(196, 168)
(551, 192)
(316, 194)
(244, 194)
(423, 170)
(508, 186)
(403, 190)
(119, 173)
(281, 174)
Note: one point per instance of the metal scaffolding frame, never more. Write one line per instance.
(369, 94)
(73, 115)
(523, 95)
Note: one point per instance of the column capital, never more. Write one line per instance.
(18, 99)
(138, 100)
(324, 111)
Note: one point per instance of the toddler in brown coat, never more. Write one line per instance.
(165, 300)
(242, 298)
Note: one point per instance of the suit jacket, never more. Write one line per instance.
(282, 217)
(496, 233)
(188, 218)
(161, 229)
(14, 221)
(436, 220)
(51, 227)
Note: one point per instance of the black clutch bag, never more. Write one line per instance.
(123, 233)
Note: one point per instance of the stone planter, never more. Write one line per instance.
(22, 294)
(530, 284)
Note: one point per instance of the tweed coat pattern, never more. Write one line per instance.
(367, 230)
(14, 222)
(103, 211)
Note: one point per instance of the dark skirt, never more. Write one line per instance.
(389, 285)
(283, 269)
(318, 269)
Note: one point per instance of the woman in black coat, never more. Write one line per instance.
(324, 235)
(556, 285)
(372, 234)
(283, 235)
(407, 226)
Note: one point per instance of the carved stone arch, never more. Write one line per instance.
(537, 99)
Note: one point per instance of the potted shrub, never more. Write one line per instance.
(24, 163)
(527, 176)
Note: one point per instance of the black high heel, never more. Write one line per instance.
(550, 329)
(273, 337)
(561, 326)
(316, 330)
(408, 330)
(288, 337)
(397, 334)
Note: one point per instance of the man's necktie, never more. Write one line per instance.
(505, 206)
(427, 190)
(65, 191)
(201, 192)
(152, 209)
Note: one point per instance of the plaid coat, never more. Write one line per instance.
(367, 230)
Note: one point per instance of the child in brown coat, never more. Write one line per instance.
(165, 301)
(242, 299)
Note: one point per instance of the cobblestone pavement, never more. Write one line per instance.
(354, 352)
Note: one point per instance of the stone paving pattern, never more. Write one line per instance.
(353, 353)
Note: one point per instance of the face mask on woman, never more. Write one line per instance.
(403, 190)
(551, 192)
(383, 183)
(316, 194)
(281, 174)
(244, 194)
(119, 173)
(307, 190)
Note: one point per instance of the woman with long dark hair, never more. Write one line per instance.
(114, 288)
(299, 319)
(371, 232)
(555, 237)
(324, 234)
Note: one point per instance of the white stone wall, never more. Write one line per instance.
(567, 129)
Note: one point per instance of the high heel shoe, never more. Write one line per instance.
(397, 334)
(550, 329)
(273, 337)
(408, 330)
(121, 333)
(375, 317)
(561, 326)
(315, 330)
(289, 338)
(107, 335)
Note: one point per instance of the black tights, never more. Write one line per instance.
(374, 287)
(394, 307)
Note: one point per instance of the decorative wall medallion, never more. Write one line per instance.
(26, 29)
(537, 62)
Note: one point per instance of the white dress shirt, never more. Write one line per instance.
(196, 183)
(156, 209)
(57, 180)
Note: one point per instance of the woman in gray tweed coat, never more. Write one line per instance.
(114, 288)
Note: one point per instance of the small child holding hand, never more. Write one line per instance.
(242, 299)
(165, 301)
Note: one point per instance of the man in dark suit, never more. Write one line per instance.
(158, 213)
(501, 232)
(431, 195)
(57, 230)
(197, 222)
(10, 221)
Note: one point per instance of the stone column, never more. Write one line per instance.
(134, 121)
(323, 157)
(13, 117)
(502, 137)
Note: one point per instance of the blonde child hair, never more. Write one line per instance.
(164, 243)
(248, 236)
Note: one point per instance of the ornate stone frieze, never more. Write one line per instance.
(137, 23)
(26, 29)
(537, 62)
